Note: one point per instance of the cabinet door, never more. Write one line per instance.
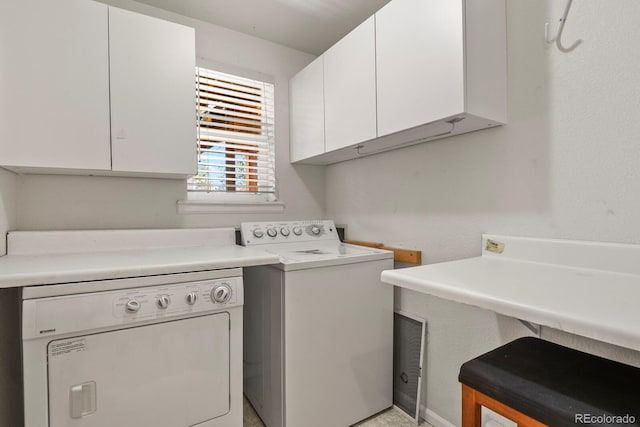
(419, 54)
(54, 84)
(153, 106)
(306, 104)
(350, 88)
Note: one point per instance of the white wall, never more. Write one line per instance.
(566, 166)
(73, 202)
(8, 181)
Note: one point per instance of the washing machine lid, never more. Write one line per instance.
(299, 257)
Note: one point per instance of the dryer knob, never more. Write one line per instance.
(191, 298)
(272, 232)
(284, 231)
(221, 293)
(297, 231)
(163, 301)
(315, 230)
(132, 306)
(257, 233)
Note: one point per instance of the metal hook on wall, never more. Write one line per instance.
(558, 37)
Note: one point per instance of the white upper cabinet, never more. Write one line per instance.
(306, 104)
(153, 105)
(54, 84)
(91, 89)
(420, 61)
(350, 88)
(438, 60)
(439, 70)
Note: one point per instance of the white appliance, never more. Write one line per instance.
(159, 350)
(318, 327)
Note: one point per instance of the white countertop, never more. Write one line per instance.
(99, 261)
(585, 288)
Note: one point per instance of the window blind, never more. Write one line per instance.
(235, 134)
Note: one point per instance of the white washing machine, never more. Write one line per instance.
(318, 327)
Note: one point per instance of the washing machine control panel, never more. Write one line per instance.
(260, 233)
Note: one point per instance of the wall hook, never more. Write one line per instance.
(558, 37)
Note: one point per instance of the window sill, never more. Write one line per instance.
(186, 207)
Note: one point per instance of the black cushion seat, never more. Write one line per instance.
(555, 385)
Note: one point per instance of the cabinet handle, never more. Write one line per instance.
(452, 122)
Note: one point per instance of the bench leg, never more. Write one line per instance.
(473, 401)
(471, 410)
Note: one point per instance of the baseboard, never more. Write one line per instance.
(434, 419)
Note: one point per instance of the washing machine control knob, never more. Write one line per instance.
(284, 231)
(191, 298)
(272, 232)
(221, 293)
(163, 301)
(132, 306)
(297, 231)
(257, 233)
(315, 230)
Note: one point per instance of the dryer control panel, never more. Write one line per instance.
(192, 297)
(93, 311)
(266, 232)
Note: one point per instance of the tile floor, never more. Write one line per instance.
(249, 416)
(389, 418)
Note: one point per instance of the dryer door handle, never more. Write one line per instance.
(82, 399)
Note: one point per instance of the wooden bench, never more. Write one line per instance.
(538, 383)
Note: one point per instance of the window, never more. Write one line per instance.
(235, 136)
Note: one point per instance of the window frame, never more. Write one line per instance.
(228, 201)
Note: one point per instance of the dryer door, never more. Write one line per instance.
(171, 374)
